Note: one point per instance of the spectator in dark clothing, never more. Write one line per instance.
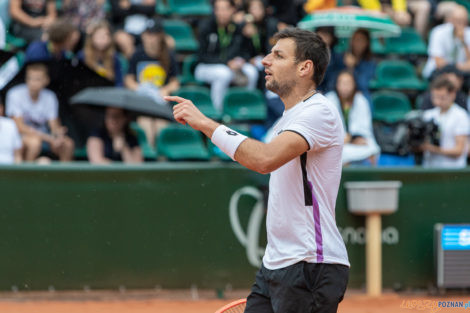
(29, 18)
(335, 66)
(83, 13)
(153, 72)
(221, 59)
(129, 18)
(288, 13)
(358, 59)
(455, 76)
(115, 141)
(100, 54)
(58, 46)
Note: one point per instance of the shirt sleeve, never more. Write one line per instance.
(53, 105)
(462, 127)
(319, 126)
(17, 143)
(13, 104)
(436, 48)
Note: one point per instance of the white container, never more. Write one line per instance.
(372, 197)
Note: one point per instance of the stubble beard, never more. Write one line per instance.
(282, 90)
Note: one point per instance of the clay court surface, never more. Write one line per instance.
(198, 302)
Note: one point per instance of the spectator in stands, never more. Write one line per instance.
(10, 139)
(449, 43)
(115, 141)
(35, 111)
(336, 59)
(29, 18)
(358, 59)
(129, 18)
(153, 71)
(288, 13)
(258, 31)
(359, 141)
(221, 59)
(240, 11)
(100, 54)
(83, 13)
(61, 38)
(456, 77)
(453, 123)
(398, 11)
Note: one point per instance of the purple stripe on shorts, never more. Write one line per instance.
(316, 217)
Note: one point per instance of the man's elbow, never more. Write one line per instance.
(266, 165)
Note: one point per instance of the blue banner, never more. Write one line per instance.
(455, 237)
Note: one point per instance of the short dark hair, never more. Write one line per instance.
(441, 82)
(308, 46)
(59, 31)
(231, 2)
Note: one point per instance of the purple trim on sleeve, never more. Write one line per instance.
(316, 217)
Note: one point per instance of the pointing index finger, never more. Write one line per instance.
(174, 99)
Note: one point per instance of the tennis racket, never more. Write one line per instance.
(237, 306)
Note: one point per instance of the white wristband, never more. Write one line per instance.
(227, 140)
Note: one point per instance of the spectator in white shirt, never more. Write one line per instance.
(449, 43)
(35, 111)
(453, 123)
(10, 140)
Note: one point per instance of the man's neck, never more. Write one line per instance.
(297, 95)
(34, 96)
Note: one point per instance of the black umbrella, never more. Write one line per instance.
(129, 100)
(5, 56)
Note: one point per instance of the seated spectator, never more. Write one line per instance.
(221, 60)
(456, 77)
(288, 13)
(335, 65)
(240, 11)
(129, 18)
(10, 140)
(453, 125)
(115, 141)
(359, 141)
(358, 59)
(398, 11)
(29, 18)
(35, 111)
(153, 71)
(99, 53)
(258, 31)
(83, 13)
(449, 43)
(61, 38)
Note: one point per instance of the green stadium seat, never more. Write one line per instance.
(178, 142)
(187, 77)
(201, 97)
(162, 8)
(390, 106)
(409, 42)
(397, 74)
(80, 153)
(241, 104)
(183, 35)
(148, 152)
(190, 8)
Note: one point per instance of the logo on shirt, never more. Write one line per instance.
(231, 133)
(151, 72)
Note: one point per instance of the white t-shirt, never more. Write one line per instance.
(301, 222)
(454, 122)
(35, 114)
(10, 140)
(443, 44)
(2, 35)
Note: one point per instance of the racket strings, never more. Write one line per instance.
(239, 308)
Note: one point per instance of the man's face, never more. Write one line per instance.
(281, 67)
(223, 12)
(151, 41)
(442, 98)
(36, 80)
(459, 19)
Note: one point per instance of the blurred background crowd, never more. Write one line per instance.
(85, 80)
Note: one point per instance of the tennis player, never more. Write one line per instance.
(305, 267)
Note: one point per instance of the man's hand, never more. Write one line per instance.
(430, 147)
(185, 112)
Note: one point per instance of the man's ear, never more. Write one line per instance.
(306, 68)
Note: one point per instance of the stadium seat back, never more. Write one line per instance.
(193, 7)
(183, 35)
(177, 142)
(397, 74)
(409, 42)
(201, 97)
(390, 106)
(242, 104)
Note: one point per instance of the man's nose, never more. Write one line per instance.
(266, 60)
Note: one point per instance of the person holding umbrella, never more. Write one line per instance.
(115, 141)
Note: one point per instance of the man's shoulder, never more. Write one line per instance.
(18, 90)
(457, 110)
(441, 30)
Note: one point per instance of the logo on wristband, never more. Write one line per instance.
(231, 133)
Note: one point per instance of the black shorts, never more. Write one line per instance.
(299, 288)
